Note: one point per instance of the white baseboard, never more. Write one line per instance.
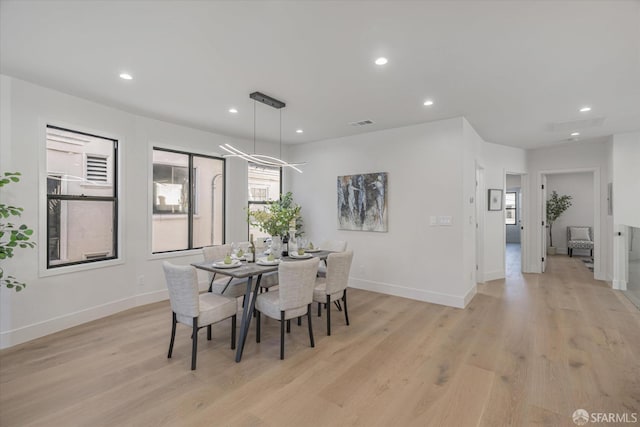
(151, 297)
(36, 330)
(412, 293)
(493, 275)
(472, 292)
(620, 285)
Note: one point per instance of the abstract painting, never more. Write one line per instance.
(362, 202)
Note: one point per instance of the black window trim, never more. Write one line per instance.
(66, 197)
(260, 202)
(191, 196)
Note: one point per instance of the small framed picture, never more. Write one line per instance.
(495, 199)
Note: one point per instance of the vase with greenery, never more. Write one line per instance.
(556, 206)
(12, 236)
(276, 218)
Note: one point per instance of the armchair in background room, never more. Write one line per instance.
(579, 238)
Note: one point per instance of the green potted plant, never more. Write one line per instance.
(276, 219)
(12, 236)
(556, 205)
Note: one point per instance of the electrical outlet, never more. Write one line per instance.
(445, 220)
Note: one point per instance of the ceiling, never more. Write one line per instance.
(513, 69)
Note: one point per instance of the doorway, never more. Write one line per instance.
(513, 224)
(582, 186)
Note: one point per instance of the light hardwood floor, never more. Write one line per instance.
(528, 350)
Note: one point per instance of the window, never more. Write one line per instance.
(188, 201)
(510, 208)
(82, 203)
(264, 186)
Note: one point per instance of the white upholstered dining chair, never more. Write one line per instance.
(292, 299)
(334, 286)
(195, 310)
(333, 246)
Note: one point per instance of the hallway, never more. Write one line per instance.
(513, 260)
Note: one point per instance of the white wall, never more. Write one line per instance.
(425, 167)
(578, 156)
(626, 179)
(625, 161)
(580, 187)
(497, 160)
(53, 302)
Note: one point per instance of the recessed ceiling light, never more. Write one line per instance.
(585, 109)
(381, 61)
(428, 103)
(126, 76)
(233, 110)
(575, 134)
(299, 131)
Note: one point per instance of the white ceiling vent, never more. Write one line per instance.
(576, 124)
(362, 123)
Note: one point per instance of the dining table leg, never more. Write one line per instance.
(247, 314)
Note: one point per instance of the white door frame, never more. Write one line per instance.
(542, 190)
(524, 235)
(597, 202)
(480, 209)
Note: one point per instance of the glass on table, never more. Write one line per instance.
(275, 248)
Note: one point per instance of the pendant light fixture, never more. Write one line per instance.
(261, 159)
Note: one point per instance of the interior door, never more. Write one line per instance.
(543, 215)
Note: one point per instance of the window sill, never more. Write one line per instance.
(175, 254)
(173, 216)
(69, 269)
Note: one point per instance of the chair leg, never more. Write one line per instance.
(313, 344)
(591, 252)
(209, 332)
(319, 308)
(173, 335)
(233, 332)
(258, 327)
(194, 349)
(288, 326)
(570, 252)
(344, 300)
(299, 320)
(281, 335)
(328, 306)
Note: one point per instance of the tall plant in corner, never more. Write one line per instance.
(12, 236)
(556, 205)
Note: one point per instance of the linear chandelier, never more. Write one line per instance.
(262, 159)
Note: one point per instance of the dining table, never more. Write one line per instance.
(249, 271)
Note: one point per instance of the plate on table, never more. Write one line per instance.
(295, 255)
(265, 261)
(313, 250)
(221, 264)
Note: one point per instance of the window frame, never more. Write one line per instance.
(514, 208)
(260, 202)
(192, 197)
(114, 198)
